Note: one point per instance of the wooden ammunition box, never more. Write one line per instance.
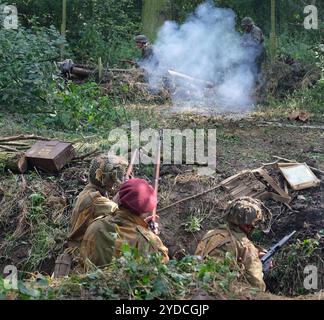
(50, 156)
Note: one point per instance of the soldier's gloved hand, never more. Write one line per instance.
(154, 226)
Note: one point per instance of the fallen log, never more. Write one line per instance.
(14, 162)
(80, 72)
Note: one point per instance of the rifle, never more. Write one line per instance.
(266, 259)
(131, 166)
(156, 177)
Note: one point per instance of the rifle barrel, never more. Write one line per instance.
(157, 166)
(131, 165)
(266, 258)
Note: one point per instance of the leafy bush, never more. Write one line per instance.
(80, 107)
(139, 277)
(288, 276)
(94, 28)
(26, 57)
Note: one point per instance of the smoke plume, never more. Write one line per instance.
(208, 48)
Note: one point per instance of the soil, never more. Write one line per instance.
(242, 144)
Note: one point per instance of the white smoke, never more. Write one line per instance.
(205, 47)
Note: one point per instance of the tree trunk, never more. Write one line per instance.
(14, 162)
(154, 13)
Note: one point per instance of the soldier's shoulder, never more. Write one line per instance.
(218, 231)
(257, 29)
(102, 223)
(85, 198)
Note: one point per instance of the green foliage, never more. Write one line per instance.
(95, 29)
(81, 107)
(26, 57)
(31, 290)
(288, 276)
(299, 46)
(193, 224)
(134, 276)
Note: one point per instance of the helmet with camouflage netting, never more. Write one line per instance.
(248, 211)
(107, 168)
(141, 39)
(247, 21)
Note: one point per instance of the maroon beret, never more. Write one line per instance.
(137, 196)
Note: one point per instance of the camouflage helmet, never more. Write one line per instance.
(247, 21)
(103, 167)
(141, 39)
(246, 210)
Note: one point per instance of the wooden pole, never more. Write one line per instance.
(273, 37)
(100, 69)
(63, 25)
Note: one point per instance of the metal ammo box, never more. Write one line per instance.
(50, 156)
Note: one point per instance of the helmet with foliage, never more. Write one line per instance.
(247, 21)
(107, 170)
(141, 39)
(246, 211)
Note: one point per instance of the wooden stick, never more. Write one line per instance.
(86, 155)
(190, 198)
(15, 144)
(284, 125)
(9, 149)
(23, 137)
(294, 161)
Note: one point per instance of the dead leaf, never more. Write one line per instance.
(299, 115)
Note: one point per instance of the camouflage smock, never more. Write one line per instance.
(217, 242)
(105, 236)
(89, 206)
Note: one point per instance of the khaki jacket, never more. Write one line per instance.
(217, 242)
(89, 206)
(104, 238)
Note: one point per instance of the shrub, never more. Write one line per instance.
(26, 57)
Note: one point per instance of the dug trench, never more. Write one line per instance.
(36, 208)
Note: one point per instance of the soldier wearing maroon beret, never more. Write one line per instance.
(104, 237)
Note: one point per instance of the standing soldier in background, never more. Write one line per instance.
(253, 39)
(143, 44)
(243, 216)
